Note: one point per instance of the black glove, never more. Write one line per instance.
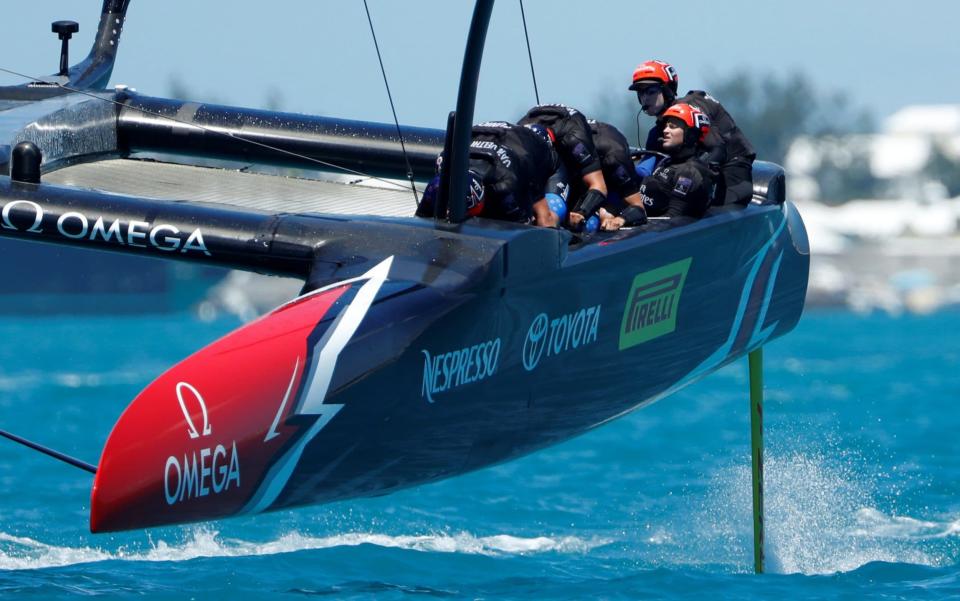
(633, 215)
(589, 203)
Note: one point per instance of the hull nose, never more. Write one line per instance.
(199, 440)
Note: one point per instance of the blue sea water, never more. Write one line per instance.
(862, 486)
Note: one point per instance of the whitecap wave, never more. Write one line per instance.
(21, 553)
(873, 522)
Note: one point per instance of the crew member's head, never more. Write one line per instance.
(475, 190)
(683, 125)
(474, 197)
(655, 83)
(545, 133)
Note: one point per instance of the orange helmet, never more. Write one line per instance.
(655, 72)
(692, 117)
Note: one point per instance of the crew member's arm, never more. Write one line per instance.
(589, 203)
(554, 191)
(595, 181)
(654, 196)
(624, 181)
(543, 216)
(633, 214)
(577, 143)
(551, 207)
(716, 149)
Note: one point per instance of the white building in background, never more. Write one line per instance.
(898, 154)
(895, 254)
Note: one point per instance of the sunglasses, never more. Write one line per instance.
(648, 91)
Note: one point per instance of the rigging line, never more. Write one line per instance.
(533, 73)
(210, 130)
(396, 121)
(639, 141)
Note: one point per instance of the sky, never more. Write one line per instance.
(317, 56)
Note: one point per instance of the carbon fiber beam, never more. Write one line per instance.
(286, 139)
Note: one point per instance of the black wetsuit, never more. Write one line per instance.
(573, 139)
(517, 167)
(682, 184)
(614, 152)
(726, 146)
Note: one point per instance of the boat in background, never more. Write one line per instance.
(55, 280)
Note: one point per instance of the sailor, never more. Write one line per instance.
(682, 184)
(619, 174)
(571, 135)
(514, 175)
(655, 83)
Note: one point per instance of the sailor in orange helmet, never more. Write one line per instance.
(682, 184)
(655, 83)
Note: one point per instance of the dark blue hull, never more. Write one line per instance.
(510, 369)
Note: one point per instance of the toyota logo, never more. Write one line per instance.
(536, 341)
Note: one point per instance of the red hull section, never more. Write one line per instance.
(197, 442)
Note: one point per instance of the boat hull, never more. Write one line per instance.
(373, 385)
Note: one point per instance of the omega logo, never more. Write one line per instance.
(191, 428)
(37, 216)
(17, 215)
(198, 473)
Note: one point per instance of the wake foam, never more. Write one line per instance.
(21, 553)
(875, 523)
(821, 517)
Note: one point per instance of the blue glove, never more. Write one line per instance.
(593, 224)
(646, 166)
(557, 205)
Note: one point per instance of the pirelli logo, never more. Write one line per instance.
(651, 309)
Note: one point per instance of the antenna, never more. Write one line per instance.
(640, 140)
(65, 30)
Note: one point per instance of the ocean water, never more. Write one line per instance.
(862, 486)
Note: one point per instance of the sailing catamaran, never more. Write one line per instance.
(419, 349)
